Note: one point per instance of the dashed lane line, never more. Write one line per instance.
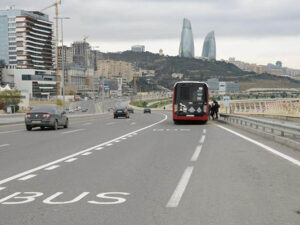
(202, 139)
(196, 153)
(272, 150)
(11, 131)
(71, 160)
(4, 145)
(72, 131)
(204, 131)
(52, 167)
(87, 153)
(2, 188)
(178, 193)
(27, 177)
(22, 174)
(98, 149)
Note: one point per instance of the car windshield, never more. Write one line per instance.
(47, 109)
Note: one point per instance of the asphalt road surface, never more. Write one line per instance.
(145, 171)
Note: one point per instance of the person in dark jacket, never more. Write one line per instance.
(216, 108)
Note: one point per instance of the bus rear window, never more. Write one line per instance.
(190, 93)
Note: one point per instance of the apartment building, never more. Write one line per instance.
(26, 39)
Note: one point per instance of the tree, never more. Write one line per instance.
(10, 97)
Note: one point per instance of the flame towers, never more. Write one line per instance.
(186, 48)
(209, 46)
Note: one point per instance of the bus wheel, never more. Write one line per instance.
(176, 122)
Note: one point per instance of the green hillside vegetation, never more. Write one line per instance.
(196, 69)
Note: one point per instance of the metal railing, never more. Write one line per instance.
(272, 127)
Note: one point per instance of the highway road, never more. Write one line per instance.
(145, 171)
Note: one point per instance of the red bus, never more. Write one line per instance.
(190, 101)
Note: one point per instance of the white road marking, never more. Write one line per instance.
(86, 153)
(109, 144)
(12, 131)
(16, 176)
(272, 150)
(117, 141)
(175, 198)
(2, 188)
(100, 148)
(72, 131)
(52, 167)
(111, 123)
(133, 123)
(71, 160)
(204, 131)
(4, 145)
(202, 139)
(196, 153)
(27, 177)
(185, 129)
(124, 138)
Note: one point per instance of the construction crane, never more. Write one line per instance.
(57, 42)
(85, 37)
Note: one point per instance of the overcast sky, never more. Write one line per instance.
(256, 31)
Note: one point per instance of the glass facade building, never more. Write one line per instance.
(186, 48)
(209, 46)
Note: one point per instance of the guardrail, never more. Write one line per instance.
(271, 127)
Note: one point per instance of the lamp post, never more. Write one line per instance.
(63, 59)
(94, 69)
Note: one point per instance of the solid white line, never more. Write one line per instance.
(272, 150)
(2, 188)
(71, 160)
(86, 153)
(27, 177)
(196, 153)
(175, 198)
(52, 167)
(4, 145)
(202, 139)
(16, 176)
(204, 131)
(72, 131)
(185, 129)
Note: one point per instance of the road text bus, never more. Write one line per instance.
(190, 101)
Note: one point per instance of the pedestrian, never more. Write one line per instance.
(216, 108)
(212, 110)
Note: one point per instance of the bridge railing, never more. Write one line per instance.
(280, 107)
(272, 127)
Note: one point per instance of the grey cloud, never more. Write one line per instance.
(126, 20)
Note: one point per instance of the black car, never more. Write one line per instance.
(130, 110)
(147, 110)
(121, 112)
(46, 116)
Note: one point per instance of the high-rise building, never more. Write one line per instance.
(81, 53)
(111, 69)
(138, 48)
(26, 39)
(186, 48)
(209, 46)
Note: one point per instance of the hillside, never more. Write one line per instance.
(198, 69)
